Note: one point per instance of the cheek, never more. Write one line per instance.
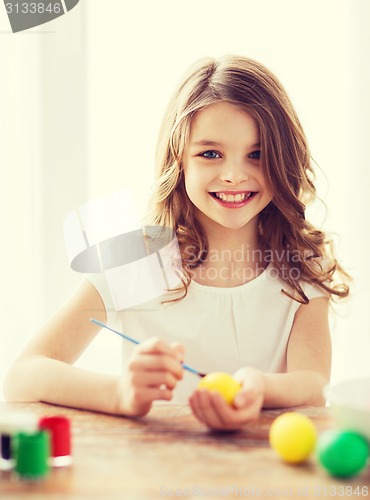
(194, 178)
(190, 187)
(263, 183)
(195, 185)
(188, 182)
(197, 173)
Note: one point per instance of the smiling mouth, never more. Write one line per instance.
(233, 198)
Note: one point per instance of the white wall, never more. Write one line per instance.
(43, 171)
(354, 333)
(19, 163)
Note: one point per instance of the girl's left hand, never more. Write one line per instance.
(211, 409)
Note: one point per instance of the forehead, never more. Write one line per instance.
(223, 120)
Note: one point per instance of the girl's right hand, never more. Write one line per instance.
(152, 373)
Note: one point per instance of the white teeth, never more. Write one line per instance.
(230, 198)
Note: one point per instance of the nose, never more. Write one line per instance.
(234, 172)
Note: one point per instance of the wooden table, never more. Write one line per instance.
(170, 454)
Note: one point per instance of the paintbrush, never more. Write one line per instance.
(134, 341)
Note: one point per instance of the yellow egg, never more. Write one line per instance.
(293, 436)
(223, 383)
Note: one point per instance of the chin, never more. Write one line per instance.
(233, 226)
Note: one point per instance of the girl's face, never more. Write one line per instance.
(223, 175)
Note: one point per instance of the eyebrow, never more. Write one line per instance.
(206, 142)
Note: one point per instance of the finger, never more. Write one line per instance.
(150, 394)
(253, 409)
(195, 406)
(206, 408)
(156, 362)
(248, 397)
(220, 415)
(156, 345)
(224, 414)
(153, 379)
(235, 418)
(243, 399)
(179, 350)
(251, 379)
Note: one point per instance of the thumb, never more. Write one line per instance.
(241, 399)
(252, 382)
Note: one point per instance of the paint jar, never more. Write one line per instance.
(59, 428)
(31, 453)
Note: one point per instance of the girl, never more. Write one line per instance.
(233, 180)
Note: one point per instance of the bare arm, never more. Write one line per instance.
(308, 370)
(308, 360)
(44, 371)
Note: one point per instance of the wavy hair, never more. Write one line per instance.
(286, 164)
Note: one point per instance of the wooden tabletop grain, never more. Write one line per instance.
(170, 454)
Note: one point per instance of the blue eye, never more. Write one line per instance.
(256, 155)
(210, 154)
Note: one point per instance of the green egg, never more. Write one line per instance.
(342, 453)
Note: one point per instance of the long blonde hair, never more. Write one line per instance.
(286, 164)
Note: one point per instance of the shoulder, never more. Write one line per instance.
(314, 291)
(86, 298)
(275, 284)
(99, 283)
(97, 287)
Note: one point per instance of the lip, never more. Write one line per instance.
(245, 191)
(238, 204)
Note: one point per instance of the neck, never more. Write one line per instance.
(244, 238)
(233, 258)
